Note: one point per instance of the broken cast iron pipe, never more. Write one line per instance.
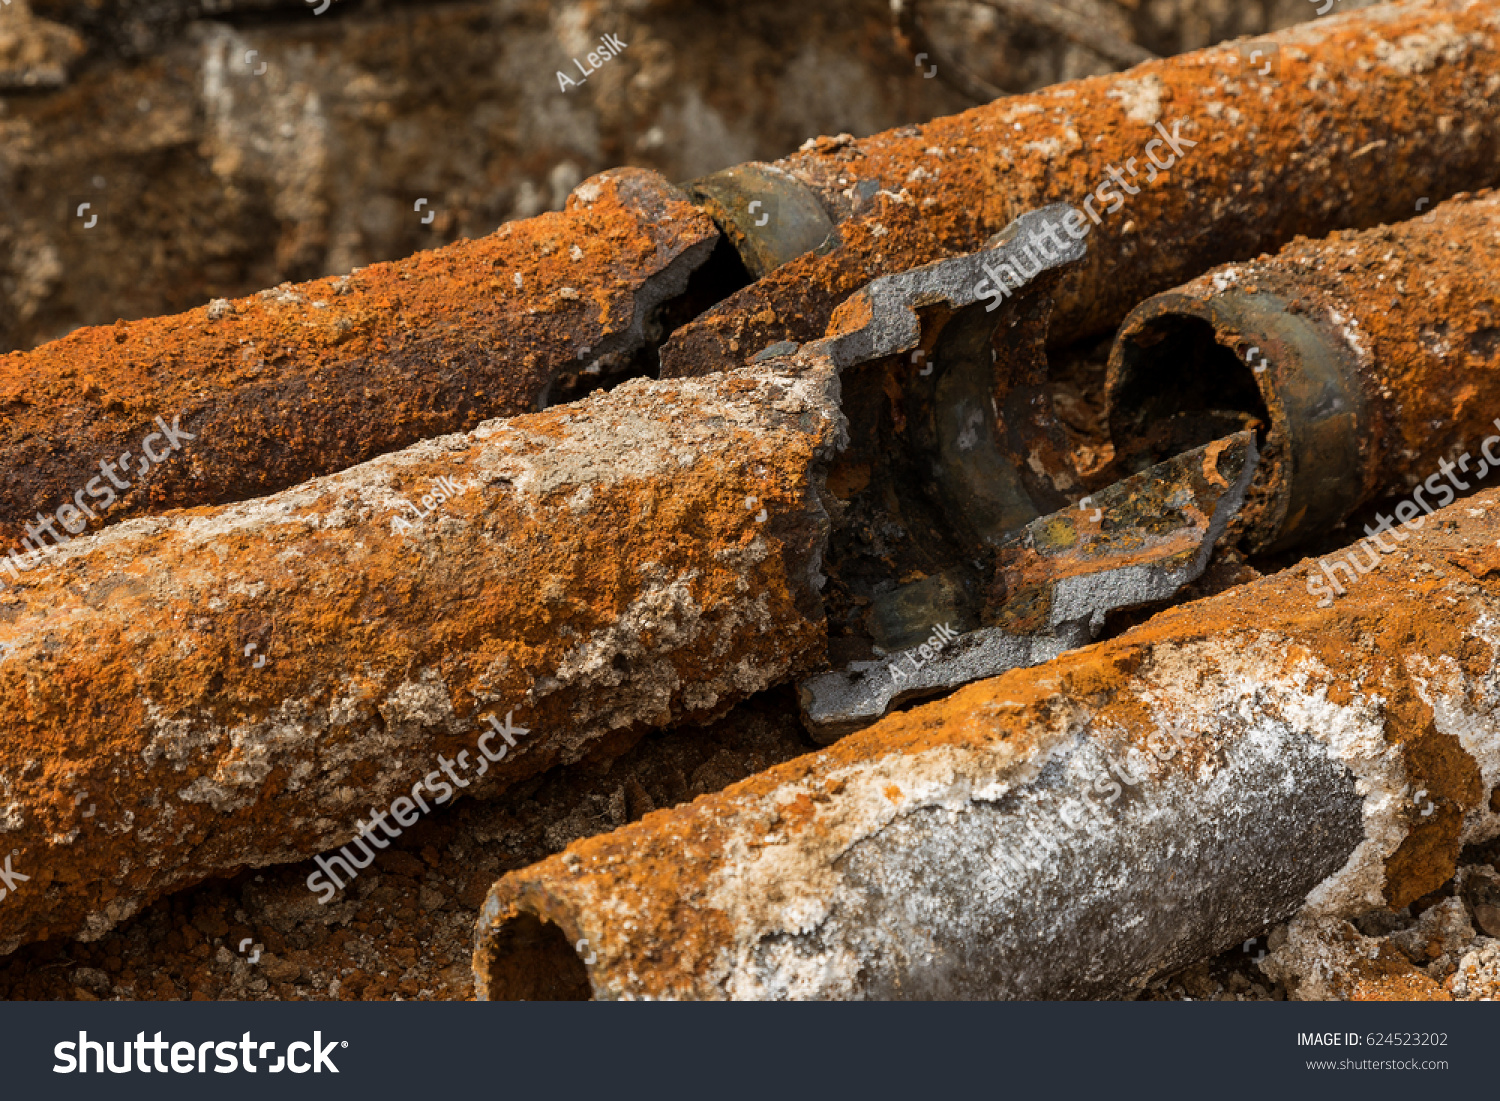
(707, 499)
(1369, 360)
(259, 677)
(1135, 543)
(953, 448)
(954, 456)
(309, 379)
(1182, 164)
(1209, 774)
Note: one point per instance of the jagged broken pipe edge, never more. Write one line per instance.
(970, 848)
(835, 703)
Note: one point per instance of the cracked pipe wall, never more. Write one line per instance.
(971, 848)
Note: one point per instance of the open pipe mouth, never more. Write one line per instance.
(1181, 388)
(526, 958)
(1186, 370)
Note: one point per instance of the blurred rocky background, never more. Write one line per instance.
(222, 146)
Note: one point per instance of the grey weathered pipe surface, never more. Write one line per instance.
(1071, 830)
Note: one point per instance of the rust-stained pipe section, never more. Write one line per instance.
(264, 392)
(954, 453)
(637, 559)
(1051, 586)
(1362, 114)
(1371, 358)
(1070, 830)
(184, 696)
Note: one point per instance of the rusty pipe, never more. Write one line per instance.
(1069, 830)
(184, 696)
(225, 677)
(1370, 359)
(312, 378)
(1368, 111)
(954, 454)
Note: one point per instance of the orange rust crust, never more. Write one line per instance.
(1372, 109)
(1419, 304)
(599, 573)
(1427, 604)
(309, 379)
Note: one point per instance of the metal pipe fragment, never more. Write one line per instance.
(1134, 543)
(225, 674)
(185, 696)
(1370, 358)
(953, 450)
(309, 379)
(1069, 830)
(1361, 115)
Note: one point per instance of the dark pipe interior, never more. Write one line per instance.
(716, 279)
(1182, 389)
(531, 960)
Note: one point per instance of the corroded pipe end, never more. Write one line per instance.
(520, 956)
(765, 212)
(1195, 364)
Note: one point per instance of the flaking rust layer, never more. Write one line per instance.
(1364, 113)
(184, 696)
(1073, 829)
(1376, 354)
(312, 378)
